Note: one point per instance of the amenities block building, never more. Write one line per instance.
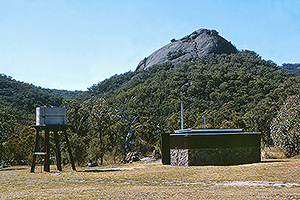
(210, 147)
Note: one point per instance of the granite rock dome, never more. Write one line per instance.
(200, 43)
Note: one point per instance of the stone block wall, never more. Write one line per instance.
(214, 156)
(179, 157)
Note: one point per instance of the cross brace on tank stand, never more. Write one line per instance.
(47, 129)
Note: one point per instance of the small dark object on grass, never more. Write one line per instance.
(92, 164)
(131, 157)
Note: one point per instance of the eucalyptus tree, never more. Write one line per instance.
(77, 120)
(259, 119)
(92, 122)
(6, 129)
(285, 128)
(129, 127)
(101, 118)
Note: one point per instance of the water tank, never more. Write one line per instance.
(50, 116)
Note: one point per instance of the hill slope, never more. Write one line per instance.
(232, 91)
(19, 98)
(292, 68)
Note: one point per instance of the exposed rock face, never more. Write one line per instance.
(200, 43)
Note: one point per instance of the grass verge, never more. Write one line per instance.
(270, 179)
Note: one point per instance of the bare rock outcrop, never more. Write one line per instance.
(201, 43)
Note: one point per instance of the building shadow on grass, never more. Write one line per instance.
(273, 161)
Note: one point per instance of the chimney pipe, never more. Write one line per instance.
(181, 116)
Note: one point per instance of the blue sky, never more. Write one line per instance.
(73, 44)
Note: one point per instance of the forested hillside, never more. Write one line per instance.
(129, 112)
(232, 91)
(23, 98)
(292, 68)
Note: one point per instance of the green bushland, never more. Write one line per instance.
(129, 112)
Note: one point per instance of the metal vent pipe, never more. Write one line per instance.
(181, 116)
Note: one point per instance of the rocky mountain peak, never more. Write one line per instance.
(200, 43)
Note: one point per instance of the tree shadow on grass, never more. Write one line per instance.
(104, 170)
(13, 168)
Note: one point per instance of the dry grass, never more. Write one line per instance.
(270, 179)
(273, 153)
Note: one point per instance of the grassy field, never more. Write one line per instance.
(270, 179)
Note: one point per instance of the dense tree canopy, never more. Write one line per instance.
(292, 68)
(232, 91)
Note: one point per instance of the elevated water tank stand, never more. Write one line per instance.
(47, 129)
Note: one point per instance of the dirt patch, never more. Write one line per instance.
(260, 184)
